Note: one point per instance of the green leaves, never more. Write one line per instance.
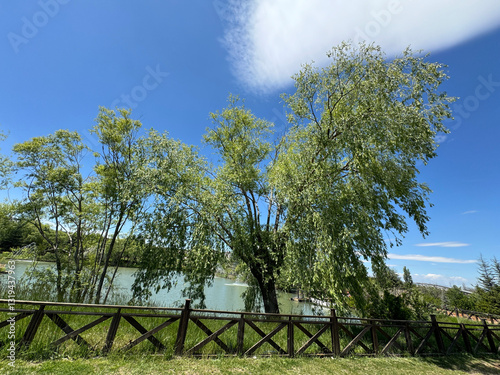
(240, 141)
(308, 211)
(89, 216)
(312, 209)
(348, 169)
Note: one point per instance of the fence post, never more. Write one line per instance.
(241, 335)
(437, 334)
(374, 336)
(182, 331)
(335, 332)
(290, 338)
(465, 336)
(409, 343)
(489, 337)
(113, 328)
(33, 325)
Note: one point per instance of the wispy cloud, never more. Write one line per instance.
(442, 244)
(469, 212)
(425, 258)
(268, 40)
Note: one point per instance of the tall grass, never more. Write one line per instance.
(48, 332)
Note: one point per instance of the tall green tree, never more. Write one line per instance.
(123, 190)
(180, 235)
(488, 288)
(86, 209)
(308, 209)
(486, 275)
(119, 196)
(54, 191)
(408, 280)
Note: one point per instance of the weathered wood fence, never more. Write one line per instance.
(186, 331)
(468, 314)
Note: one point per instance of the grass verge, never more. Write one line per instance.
(126, 364)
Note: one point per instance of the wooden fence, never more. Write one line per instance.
(186, 331)
(472, 315)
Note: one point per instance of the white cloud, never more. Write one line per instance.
(469, 212)
(269, 40)
(433, 278)
(443, 244)
(458, 279)
(425, 258)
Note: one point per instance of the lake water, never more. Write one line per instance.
(224, 294)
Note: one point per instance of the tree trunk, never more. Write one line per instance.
(59, 287)
(270, 297)
(108, 257)
(267, 286)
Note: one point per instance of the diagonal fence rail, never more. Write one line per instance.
(468, 314)
(192, 332)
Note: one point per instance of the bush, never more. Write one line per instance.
(456, 298)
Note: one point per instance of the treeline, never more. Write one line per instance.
(19, 237)
(486, 295)
(391, 297)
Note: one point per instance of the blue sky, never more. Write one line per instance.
(175, 61)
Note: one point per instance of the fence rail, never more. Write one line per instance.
(187, 331)
(472, 315)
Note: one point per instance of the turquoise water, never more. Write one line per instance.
(224, 294)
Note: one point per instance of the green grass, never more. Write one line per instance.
(49, 332)
(159, 365)
(70, 358)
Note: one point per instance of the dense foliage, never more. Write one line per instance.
(305, 209)
(391, 298)
(485, 297)
(84, 204)
(488, 288)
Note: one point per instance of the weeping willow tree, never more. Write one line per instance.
(312, 207)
